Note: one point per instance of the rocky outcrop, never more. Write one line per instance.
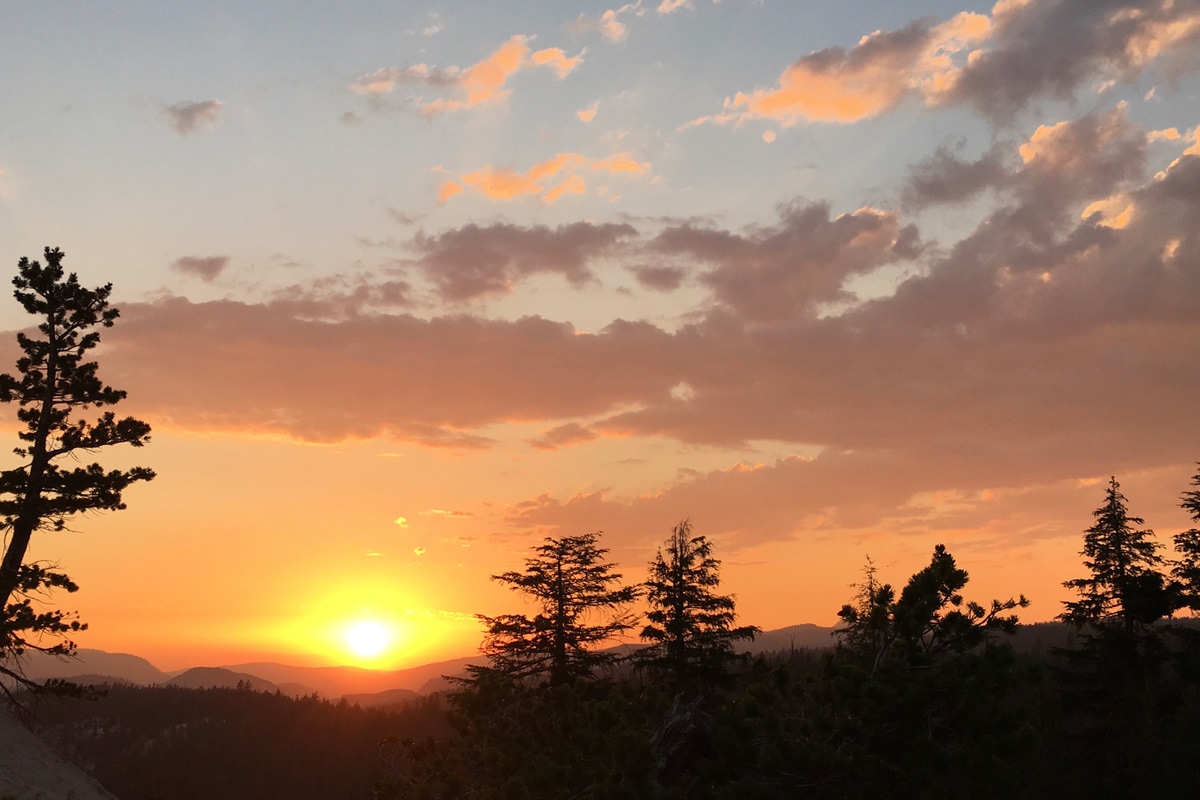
(31, 770)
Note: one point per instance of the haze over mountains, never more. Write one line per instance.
(356, 684)
(368, 687)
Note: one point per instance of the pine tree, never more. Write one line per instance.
(1125, 589)
(581, 607)
(54, 384)
(1187, 544)
(691, 627)
(928, 620)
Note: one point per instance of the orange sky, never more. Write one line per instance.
(401, 302)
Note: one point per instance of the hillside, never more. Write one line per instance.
(30, 770)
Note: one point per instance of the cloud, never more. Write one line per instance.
(557, 60)
(662, 279)
(588, 114)
(178, 359)
(548, 180)
(206, 269)
(340, 297)
(448, 190)
(608, 24)
(570, 433)
(187, 118)
(384, 81)
(778, 271)
(884, 68)
(1039, 347)
(482, 83)
(1050, 49)
(441, 512)
(621, 163)
(474, 261)
(998, 64)
(943, 178)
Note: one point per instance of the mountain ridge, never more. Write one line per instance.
(366, 686)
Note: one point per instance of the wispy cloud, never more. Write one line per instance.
(482, 83)
(608, 24)
(547, 180)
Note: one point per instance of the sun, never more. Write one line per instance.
(367, 639)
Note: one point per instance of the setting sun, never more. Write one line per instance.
(368, 639)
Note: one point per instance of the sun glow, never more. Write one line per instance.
(368, 639)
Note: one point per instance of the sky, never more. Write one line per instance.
(406, 287)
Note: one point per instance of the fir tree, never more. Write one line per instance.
(1125, 589)
(691, 627)
(581, 607)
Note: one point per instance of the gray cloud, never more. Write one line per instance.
(474, 261)
(206, 269)
(1049, 48)
(780, 270)
(187, 118)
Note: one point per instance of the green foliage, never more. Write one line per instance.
(581, 606)
(54, 383)
(690, 626)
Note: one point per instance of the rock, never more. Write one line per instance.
(31, 770)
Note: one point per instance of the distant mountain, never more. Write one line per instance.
(220, 678)
(798, 636)
(373, 687)
(338, 681)
(93, 664)
(392, 697)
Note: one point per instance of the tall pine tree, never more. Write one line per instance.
(1125, 590)
(55, 384)
(691, 627)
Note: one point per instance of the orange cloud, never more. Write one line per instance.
(572, 185)
(1114, 211)
(1155, 36)
(996, 63)
(556, 59)
(608, 24)
(873, 77)
(588, 114)
(667, 6)
(448, 190)
(612, 28)
(622, 162)
(506, 183)
(482, 83)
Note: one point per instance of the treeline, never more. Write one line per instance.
(920, 696)
(174, 743)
